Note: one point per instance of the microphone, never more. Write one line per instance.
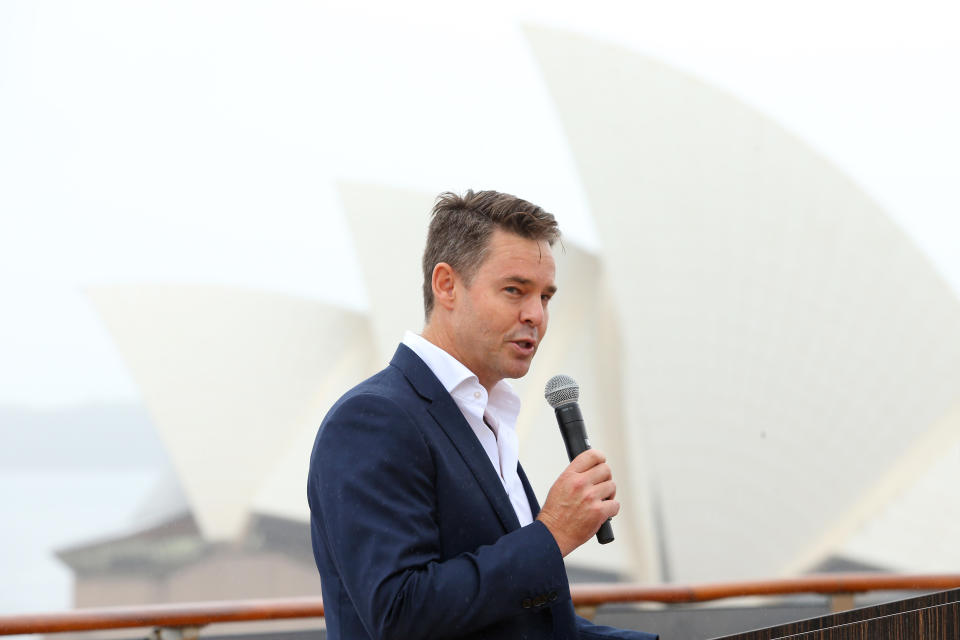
(562, 393)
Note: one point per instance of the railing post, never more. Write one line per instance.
(191, 632)
(841, 602)
(588, 611)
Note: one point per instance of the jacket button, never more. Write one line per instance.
(527, 603)
(553, 596)
(539, 601)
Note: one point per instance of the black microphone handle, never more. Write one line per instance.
(574, 432)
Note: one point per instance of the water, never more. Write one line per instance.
(45, 510)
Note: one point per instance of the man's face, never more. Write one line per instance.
(501, 317)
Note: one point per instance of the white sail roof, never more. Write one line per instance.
(783, 341)
(231, 378)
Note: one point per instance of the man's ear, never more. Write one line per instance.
(444, 283)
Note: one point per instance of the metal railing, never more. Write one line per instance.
(186, 619)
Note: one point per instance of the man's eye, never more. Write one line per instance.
(545, 298)
(512, 290)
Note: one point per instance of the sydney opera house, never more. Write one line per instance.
(771, 364)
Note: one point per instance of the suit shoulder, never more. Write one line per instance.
(385, 401)
(388, 386)
(380, 413)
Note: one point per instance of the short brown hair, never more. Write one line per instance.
(461, 227)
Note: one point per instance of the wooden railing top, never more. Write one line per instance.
(162, 615)
(203, 613)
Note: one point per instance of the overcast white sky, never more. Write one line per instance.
(201, 142)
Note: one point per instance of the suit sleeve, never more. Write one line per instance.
(372, 494)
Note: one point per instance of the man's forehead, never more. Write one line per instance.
(522, 258)
(504, 243)
(508, 253)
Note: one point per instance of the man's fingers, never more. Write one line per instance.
(610, 508)
(587, 460)
(581, 499)
(605, 490)
(600, 473)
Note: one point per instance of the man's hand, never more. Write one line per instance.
(580, 501)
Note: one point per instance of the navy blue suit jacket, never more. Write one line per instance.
(413, 533)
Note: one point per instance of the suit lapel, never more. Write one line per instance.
(531, 497)
(447, 414)
(451, 420)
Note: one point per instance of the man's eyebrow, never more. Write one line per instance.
(552, 289)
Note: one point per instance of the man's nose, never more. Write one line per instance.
(532, 311)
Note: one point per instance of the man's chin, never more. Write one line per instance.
(518, 370)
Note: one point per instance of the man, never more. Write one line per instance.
(423, 522)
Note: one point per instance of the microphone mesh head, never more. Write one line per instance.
(561, 390)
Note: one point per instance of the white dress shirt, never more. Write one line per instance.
(493, 419)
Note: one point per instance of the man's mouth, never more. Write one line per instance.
(525, 346)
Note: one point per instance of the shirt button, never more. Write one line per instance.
(476, 394)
